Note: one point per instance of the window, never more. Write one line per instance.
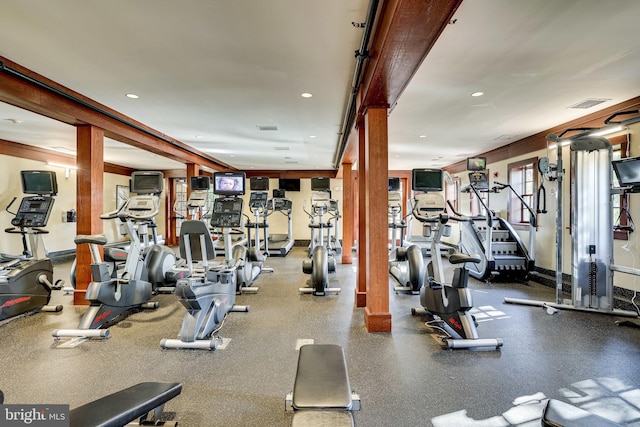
(451, 191)
(619, 202)
(523, 178)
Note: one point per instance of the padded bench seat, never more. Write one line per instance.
(321, 379)
(561, 414)
(124, 406)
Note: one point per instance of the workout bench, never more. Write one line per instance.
(126, 406)
(561, 414)
(321, 392)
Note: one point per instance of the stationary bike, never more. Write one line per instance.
(321, 259)
(450, 304)
(406, 264)
(113, 298)
(209, 291)
(26, 280)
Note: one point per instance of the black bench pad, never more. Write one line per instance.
(124, 406)
(322, 381)
(561, 414)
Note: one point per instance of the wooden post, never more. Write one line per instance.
(348, 214)
(89, 201)
(377, 315)
(362, 272)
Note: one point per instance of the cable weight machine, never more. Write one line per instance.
(593, 265)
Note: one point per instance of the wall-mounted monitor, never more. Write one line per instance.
(627, 171)
(259, 183)
(289, 184)
(229, 183)
(394, 184)
(199, 183)
(321, 183)
(39, 182)
(476, 163)
(147, 182)
(426, 180)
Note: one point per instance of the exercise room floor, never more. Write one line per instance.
(404, 378)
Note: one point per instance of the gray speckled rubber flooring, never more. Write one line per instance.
(404, 378)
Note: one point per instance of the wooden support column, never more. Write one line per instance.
(377, 316)
(192, 170)
(362, 272)
(349, 213)
(89, 200)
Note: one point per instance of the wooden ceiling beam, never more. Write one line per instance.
(28, 90)
(404, 33)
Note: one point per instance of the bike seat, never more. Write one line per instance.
(463, 258)
(98, 239)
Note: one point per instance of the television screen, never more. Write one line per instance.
(289, 184)
(200, 183)
(321, 183)
(229, 183)
(147, 182)
(394, 184)
(278, 193)
(426, 180)
(476, 163)
(39, 182)
(627, 171)
(259, 183)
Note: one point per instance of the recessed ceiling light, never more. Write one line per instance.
(312, 136)
(477, 94)
(422, 136)
(199, 136)
(132, 96)
(306, 95)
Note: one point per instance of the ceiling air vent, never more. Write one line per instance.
(589, 102)
(291, 162)
(267, 128)
(281, 148)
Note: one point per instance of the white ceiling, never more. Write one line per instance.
(210, 72)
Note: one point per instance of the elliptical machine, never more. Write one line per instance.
(209, 291)
(406, 264)
(449, 304)
(113, 298)
(321, 259)
(26, 280)
(256, 250)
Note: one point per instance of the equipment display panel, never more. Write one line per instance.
(320, 183)
(627, 171)
(426, 180)
(147, 182)
(476, 163)
(200, 183)
(39, 182)
(394, 184)
(229, 183)
(259, 183)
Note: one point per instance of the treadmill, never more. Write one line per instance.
(279, 244)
